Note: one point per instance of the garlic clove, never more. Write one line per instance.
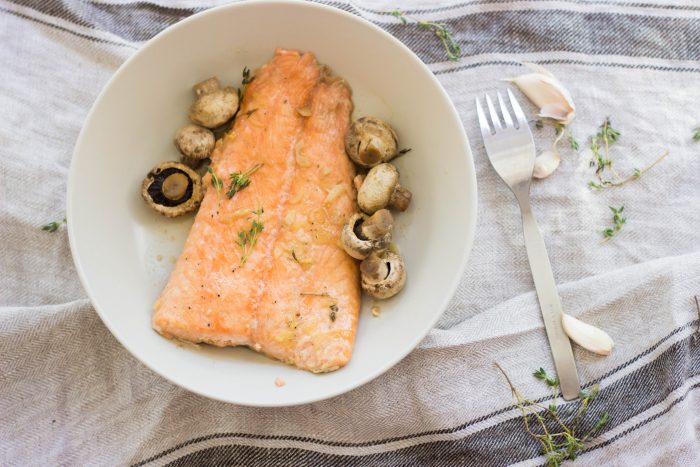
(547, 93)
(589, 337)
(556, 111)
(545, 164)
(538, 69)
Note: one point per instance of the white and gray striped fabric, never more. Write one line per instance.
(71, 395)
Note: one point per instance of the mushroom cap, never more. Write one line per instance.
(371, 141)
(377, 188)
(362, 234)
(215, 108)
(351, 238)
(383, 274)
(207, 86)
(172, 189)
(195, 143)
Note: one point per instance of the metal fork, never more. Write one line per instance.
(511, 151)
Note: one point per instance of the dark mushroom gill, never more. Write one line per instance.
(155, 189)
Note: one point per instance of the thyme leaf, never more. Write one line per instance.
(53, 226)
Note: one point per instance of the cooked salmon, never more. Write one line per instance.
(264, 268)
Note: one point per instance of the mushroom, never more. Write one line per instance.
(195, 143)
(172, 189)
(383, 274)
(214, 106)
(371, 141)
(362, 234)
(381, 189)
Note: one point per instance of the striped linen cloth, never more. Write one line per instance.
(71, 395)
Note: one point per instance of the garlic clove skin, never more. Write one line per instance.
(589, 337)
(545, 164)
(547, 93)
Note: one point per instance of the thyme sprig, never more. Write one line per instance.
(600, 147)
(53, 226)
(607, 135)
(247, 79)
(452, 48)
(558, 434)
(618, 222)
(560, 130)
(241, 180)
(216, 182)
(248, 239)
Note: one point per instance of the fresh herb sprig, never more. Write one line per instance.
(600, 147)
(248, 239)
(241, 180)
(247, 79)
(452, 48)
(216, 182)
(601, 160)
(560, 130)
(53, 226)
(696, 134)
(559, 437)
(618, 223)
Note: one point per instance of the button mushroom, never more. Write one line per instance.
(381, 189)
(362, 234)
(383, 274)
(172, 189)
(195, 143)
(371, 141)
(214, 106)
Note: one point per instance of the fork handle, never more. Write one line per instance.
(549, 302)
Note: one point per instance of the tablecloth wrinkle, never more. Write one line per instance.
(70, 394)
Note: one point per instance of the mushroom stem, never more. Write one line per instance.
(358, 180)
(377, 225)
(400, 198)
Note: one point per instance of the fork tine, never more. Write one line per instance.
(494, 115)
(485, 128)
(522, 121)
(504, 111)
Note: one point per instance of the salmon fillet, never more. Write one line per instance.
(294, 294)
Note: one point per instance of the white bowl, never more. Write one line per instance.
(124, 252)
